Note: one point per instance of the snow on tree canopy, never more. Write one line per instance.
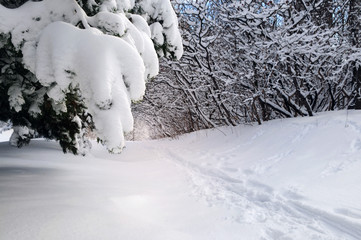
(96, 54)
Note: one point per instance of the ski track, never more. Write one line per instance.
(282, 216)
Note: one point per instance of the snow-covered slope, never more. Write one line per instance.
(287, 179)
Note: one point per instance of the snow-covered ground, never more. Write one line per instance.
(287, 179)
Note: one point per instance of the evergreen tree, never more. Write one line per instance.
(70, 67)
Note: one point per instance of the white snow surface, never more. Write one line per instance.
(286, 179)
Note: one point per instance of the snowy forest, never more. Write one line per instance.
(243, 62)
(251, 61)
(182, 119)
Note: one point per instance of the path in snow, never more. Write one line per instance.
(287, 179)
(219, 177)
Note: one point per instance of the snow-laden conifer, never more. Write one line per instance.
(70, 67)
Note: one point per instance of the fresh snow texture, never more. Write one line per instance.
(286, 179)
(168, 30)
(110, 60)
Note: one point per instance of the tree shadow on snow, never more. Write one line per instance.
(18, 171)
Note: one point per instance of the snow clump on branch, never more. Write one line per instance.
(106, 50)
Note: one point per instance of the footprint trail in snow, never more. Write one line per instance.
(268, 183)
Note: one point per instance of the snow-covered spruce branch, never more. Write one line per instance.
(76, 66)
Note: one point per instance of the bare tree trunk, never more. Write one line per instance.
(354, 30)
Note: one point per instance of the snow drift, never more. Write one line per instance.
(287, 179)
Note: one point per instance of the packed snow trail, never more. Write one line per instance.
(282, 216)
(286, 179)
(266, 179)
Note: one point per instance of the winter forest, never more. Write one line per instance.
(243, 62)
(181, 119)
(252, 61)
